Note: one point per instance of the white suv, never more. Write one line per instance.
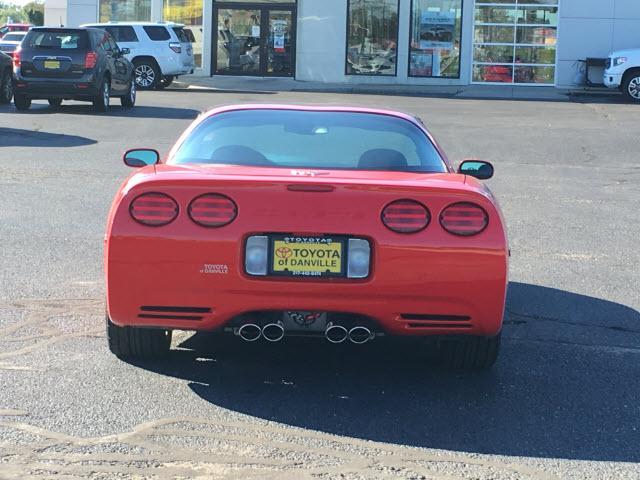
(159, 51)
(623, 71)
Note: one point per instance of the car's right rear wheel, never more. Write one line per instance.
(631, 85)
(102, 100)
(21, 102)
(135, 342)
(469, 353)
(6, 87)
(129, 100)
(146, 73)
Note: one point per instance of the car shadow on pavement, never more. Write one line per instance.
(565, 386)
(17, 137)
(143, 111)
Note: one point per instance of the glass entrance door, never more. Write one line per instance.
(254, 39)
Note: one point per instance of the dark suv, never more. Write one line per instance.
(59, 64)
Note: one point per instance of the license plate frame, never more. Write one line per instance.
(52, 64)
(306, 241)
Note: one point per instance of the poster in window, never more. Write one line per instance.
(437, 30)
(279, 29)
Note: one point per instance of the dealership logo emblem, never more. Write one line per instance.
(284, 252)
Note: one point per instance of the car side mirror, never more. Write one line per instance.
(477, 169)
(125, 51)
(141, 157)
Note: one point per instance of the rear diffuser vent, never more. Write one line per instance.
(173, 313)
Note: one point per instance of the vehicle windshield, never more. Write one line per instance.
(307, 139)
(13, 37)
(56, 39)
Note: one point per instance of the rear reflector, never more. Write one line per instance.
(213, 210)
(154, 209)
(464, 219)
(406, 216)
(90, 60)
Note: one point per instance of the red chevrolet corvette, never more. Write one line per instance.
(270, 221)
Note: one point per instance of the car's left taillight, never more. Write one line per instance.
(17, 58)
(176, 47)
(154, 209)
(90, 60)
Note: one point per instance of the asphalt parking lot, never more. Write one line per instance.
(562, 401)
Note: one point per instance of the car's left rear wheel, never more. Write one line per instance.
(135, 342)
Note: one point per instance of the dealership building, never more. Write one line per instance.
(402, 42)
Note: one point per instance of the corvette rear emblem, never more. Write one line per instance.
(284, 252)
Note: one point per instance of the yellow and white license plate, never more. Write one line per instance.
(308, 256)
(52, 64)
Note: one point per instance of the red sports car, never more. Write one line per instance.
(270, 221)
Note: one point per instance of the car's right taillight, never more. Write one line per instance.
(154, 209)
(175, 46)
(90, 60)
(17, 56)
(464, 219)
(212, 210)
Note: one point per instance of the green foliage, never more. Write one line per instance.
(32, 12)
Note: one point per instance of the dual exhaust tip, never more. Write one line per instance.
(274, 332)
(339, 334)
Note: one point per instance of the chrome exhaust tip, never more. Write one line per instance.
(273, 332)
(360, 335)
(336, 333)
(249, 332)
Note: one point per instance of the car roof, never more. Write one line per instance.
(60, 29)
(142, 24)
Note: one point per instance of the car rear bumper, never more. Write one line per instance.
(430, 292)
(46, 88)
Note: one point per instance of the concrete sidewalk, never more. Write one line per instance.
(230, 84)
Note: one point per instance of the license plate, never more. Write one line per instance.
(308, 256)
(51, 64)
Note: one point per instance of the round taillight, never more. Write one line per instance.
(464, 219)
(213, 210)
(154, 209)
(406, 216)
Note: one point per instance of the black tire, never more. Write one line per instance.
(146, 73)
(165, 82)
(55, 102)
(129, 100)
(6, 87)
(102, 100)
(134, 342)
(469, 353)
(631, 85)
(21, 102)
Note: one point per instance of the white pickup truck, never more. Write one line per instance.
(623, 71)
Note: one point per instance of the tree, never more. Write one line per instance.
(10, 12)
(34, 12)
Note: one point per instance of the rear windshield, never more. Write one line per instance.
(56, 39)
(304, 139)
(13, 37)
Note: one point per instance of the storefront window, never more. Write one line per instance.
(189, 13)
(515, 41)
(435, 38)
(372, 37)
(125, 10)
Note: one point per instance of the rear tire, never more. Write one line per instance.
(631, 85)
(165, 82)
(55, 102)
(6, 87)
(135, 342)
(146, 73)
(469, 353)
(102, 99)
(21, 102)
(129, 100)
